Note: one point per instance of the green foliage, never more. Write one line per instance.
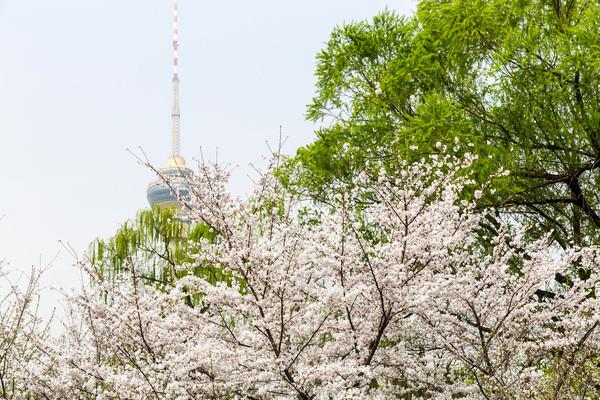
(155, 244)
(516, 82)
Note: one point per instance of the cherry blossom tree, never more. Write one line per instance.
(406, 297)
(21, 329)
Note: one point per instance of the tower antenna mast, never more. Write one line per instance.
(175, 111)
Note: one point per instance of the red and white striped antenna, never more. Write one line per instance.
(175, 112)
(175, 40)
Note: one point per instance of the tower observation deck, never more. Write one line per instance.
(176, 172)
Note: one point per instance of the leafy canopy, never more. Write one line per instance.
(156, 243)
(515, 82)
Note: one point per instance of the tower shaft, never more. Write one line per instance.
(175, 121)
(175, 111)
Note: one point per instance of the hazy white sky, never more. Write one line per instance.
(83, 80)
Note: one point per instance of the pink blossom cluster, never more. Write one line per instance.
(401, 289)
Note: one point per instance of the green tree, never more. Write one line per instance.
(155, 243)
(516, 82)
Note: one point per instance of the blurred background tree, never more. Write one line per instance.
(157, 243)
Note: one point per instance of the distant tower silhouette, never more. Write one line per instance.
(159, 193)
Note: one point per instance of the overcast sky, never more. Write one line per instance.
(81, 81)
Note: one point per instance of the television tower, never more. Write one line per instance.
(176, 172)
